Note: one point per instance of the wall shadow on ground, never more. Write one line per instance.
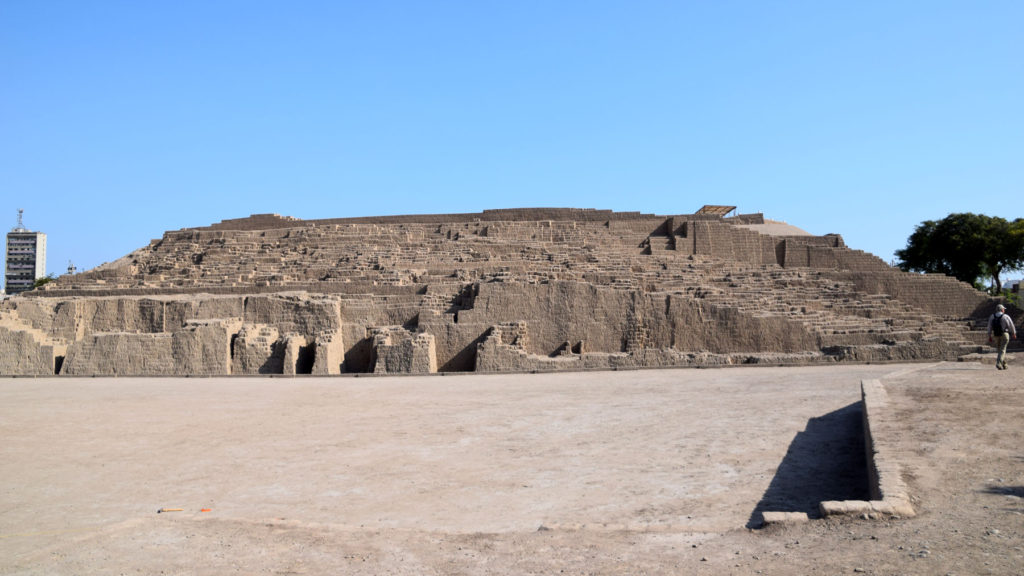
(826, 461)
(1000, 490)
(1014, 496)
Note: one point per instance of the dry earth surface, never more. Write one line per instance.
(641, 472)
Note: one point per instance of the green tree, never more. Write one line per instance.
(44, 280)
(966, 246)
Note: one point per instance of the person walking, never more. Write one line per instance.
(1001, 326)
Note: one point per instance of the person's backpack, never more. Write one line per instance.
(997, 325)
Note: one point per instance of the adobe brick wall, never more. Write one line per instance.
(121, 354)
(397, 351)
(24, 355)
(933, 293)
(592, 288)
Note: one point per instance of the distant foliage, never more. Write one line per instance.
(969, 247)
(1012, 298)
(44, 280)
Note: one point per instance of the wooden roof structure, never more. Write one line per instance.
(716, 210)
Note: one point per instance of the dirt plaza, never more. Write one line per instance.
(647, 471)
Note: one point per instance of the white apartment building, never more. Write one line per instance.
(25, 259)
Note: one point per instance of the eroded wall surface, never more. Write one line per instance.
(546, 289)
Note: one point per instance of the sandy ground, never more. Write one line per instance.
(644, 472)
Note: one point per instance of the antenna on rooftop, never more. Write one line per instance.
(71, 268)
(20, 227)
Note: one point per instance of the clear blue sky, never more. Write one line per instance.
(120, 120)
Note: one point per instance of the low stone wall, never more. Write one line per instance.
(121, 354)
(257, 349)
(23, 355)
(397, 351)
(203, 347)
(898, 352)
(329, 355)
(889, 495)
(504, 350)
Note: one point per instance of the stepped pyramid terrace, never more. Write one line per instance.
(498, 291)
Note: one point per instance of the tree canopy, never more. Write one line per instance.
(43, 280)
(966, 246)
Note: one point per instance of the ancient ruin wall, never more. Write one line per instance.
(585, 289)
(21, 354)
